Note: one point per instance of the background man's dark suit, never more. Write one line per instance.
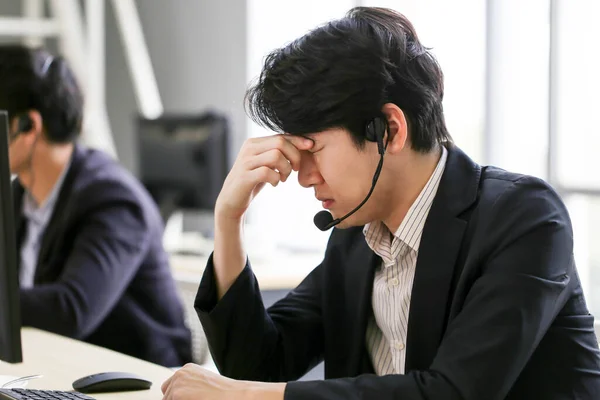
(497, 309)
(102, 274)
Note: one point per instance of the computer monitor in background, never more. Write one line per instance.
(10, 315)
(183, 160)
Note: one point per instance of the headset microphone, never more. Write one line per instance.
(375, 132)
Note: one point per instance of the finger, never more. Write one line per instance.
(166, 384)
(264, 174)
(300, 142)
(168, 395)
(273, 159)
(290, 147)
(174, 387)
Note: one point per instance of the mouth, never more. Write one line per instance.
(326, 203)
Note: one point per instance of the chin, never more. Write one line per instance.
(360, 218)
(349, 223)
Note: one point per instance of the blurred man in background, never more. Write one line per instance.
(92, 265)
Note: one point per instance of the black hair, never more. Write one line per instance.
(33, 79)
(340, 75)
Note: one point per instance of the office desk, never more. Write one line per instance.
(62, 361)
(274, 272)
(275, 268)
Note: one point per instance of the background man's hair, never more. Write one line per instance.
(33, 79)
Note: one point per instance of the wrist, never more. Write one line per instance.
(264, 391)
(227, 222)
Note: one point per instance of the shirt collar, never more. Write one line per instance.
(40, 213)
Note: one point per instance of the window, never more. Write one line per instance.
(575, 166)
(577, 99)
(518, 85)
(585, 216)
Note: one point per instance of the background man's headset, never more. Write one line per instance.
(24, 124)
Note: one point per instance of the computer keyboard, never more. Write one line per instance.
(32, 394)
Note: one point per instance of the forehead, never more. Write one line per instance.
(325, 135)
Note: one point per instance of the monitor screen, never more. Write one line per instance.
(184, 160)
(10, 317)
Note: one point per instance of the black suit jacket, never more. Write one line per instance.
(497, 310)
(102, 275)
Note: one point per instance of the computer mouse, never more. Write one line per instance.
(111, 382)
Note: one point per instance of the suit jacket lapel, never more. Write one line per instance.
(438, 251)
(52, 229)
(364, 264)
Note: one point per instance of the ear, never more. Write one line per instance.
(397, 133)
(34, 123)
(37, 123)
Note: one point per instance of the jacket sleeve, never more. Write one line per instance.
(526, 268)
(250, 343)
(106, 254)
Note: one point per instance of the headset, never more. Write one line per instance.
(24, 124)
(375, 132)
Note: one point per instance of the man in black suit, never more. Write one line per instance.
(92, 265)
(452, 281)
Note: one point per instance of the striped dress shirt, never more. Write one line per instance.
(392, 287)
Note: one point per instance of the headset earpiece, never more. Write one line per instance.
(375, 132)
(25, 124)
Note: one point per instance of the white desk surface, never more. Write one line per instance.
(62, 360)
(276, 272)
(275, 268)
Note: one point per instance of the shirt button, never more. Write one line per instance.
(394, 282)
(398, 345)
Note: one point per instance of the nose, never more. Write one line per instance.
(308, 173)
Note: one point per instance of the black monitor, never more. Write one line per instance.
(10, 309)
(183, 160)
